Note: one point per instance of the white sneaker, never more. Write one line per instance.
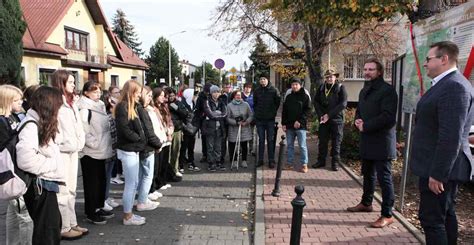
(244, 164)
(154, 196)
(147, 206)
(111, 202)
(107, 207)
(116, 181)
(181, 170)
(134, 220)
(164, 187)
(179, 174)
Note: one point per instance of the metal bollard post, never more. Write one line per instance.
(275, 134)
(298, 204)
(276, 189)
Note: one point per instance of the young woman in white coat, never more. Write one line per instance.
(39, 154)
(97, 149)
(71, 140)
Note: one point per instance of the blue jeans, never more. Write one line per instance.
(266, 129)
(145, 177)
(109, 167)
(383, 169)
(300, 134)
(131, 168)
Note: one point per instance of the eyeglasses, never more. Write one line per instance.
(428, 58)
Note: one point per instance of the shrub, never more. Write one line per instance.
(350, 141)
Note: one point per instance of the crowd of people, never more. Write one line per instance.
(148, 136)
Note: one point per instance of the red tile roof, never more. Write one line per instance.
(43, 16)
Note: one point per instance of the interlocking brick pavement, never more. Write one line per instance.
(325, 220)
(205, 208)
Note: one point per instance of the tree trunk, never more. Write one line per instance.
(315, 40)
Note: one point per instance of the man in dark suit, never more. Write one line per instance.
(375, 119)
(440, 153)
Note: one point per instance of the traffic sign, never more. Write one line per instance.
(219, 63)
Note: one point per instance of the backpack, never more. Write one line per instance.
(14, 182)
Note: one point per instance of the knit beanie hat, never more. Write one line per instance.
(214, 89)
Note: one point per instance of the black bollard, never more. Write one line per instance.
(276, 190)
(298, 204)
(275, 134)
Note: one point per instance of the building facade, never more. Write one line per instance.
(74, 35)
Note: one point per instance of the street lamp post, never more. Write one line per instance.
(169, 55)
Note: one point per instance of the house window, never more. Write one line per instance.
(114, 80)
(46, 76)
(76, 40)
(134, 78)
(23, 75)
(354, 66)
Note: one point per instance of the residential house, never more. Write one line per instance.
(188, 71)
(75, 35)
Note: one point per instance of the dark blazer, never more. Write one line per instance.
(444, 115)
(333, 105)
(130, 134)
(378, 109)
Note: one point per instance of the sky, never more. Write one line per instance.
(155, 18)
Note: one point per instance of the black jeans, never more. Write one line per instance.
(437, 214)
(44, 211)
(204, 146)
(186, 154)
(266, 129)
(243, 150)
(160, 172)
(93, 176)
(333, 131)
(384, 177)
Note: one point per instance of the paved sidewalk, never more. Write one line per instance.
(205, 208)
(325, 221)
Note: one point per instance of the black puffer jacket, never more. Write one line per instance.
(130, 134)
(266, 102)
(179, 114)
(296, 108)
(153, 142)
(215, 113)
(333, 105)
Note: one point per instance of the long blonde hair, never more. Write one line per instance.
(127, 96)
(7, 97)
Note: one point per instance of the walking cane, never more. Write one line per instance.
(235, 164)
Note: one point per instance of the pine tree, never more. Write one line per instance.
(158, 62)
(126, 32)
(12, 28)
(260, 63)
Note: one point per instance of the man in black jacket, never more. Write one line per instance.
(199, 117)
(329, 102)
(296, 109)
(375, 119)
(266, 103)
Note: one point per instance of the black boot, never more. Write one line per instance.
(319, 164)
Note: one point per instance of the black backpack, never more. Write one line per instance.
(14, 182)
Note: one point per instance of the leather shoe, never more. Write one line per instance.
(360, 208)
(71, 235)
(318, 165)
(382, 222)
(271, 165)
(334, 168)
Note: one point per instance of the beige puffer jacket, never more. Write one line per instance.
(71, 133)
(96, 128)
(45, 162)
